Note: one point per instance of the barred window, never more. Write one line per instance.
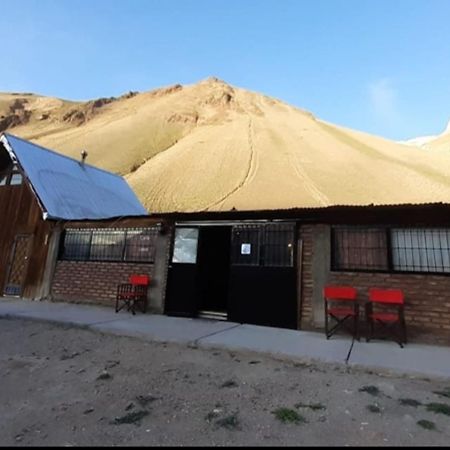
(131, 245)
(107, 245)
(391, 249)
(421, 250)
(357, 248)
(278, 245)
(245, 245)
(140, 245)
(269, 245)
(77, 245)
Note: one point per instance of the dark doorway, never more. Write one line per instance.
(199, 272)
(213, 270)
(244, 273)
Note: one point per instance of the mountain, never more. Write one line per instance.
(433, 142)
(212, 146)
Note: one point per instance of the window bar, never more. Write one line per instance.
(390, 262)
(88, 257)
(124, 246)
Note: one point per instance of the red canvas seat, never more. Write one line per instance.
(341, 305)
(133, 294)
(385, 310)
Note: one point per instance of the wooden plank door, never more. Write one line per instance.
(18, 265)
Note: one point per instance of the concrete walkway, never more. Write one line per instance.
(417, 359)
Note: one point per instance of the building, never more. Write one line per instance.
(269, 267)
(264, 267)
(42, 193)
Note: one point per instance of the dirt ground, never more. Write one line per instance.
(65, 386)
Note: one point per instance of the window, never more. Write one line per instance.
(357, 248)
(391, 249)
(11, 176)
(16, 179)
(279, 245)
(140, 245)
(185, 246)
(245, 244)
(107, 245)
(77, 245)
(421, 250)
(130, 245)
(268, 245)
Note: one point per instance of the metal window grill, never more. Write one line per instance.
(360, 248)
(140, 244)
(245, 244)
(77, 245)
(279, 245)
(130, 245)
(269, 245)
(107, 245)
(421, 249)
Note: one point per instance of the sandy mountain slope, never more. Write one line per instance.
(440, 142)
(211, 146)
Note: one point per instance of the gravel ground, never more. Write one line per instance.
(66, 386)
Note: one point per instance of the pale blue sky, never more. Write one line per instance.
(381, 66)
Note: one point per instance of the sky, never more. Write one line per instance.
(380, 66)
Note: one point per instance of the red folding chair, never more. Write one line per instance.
(385, 308)
(341, 304)
(133, 294)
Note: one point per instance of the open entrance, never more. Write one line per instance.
(213, 271)
(199, 272)
(239, 272)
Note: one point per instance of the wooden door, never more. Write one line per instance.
(18, 265)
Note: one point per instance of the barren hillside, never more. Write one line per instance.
(211, 146)
(439, 142)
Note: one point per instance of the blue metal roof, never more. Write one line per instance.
(70, 190)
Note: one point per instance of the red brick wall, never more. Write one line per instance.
(427, 297)
(92, 282)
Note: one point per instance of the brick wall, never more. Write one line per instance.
(427, 297)
(427, 300)
(92, 282)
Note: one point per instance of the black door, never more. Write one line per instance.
(263, 279)
(182, 299)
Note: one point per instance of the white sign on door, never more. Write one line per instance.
(246, 249)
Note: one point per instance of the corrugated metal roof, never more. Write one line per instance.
(70, 190)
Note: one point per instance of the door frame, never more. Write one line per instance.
(297, 256)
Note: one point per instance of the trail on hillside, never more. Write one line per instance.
(211, 146)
